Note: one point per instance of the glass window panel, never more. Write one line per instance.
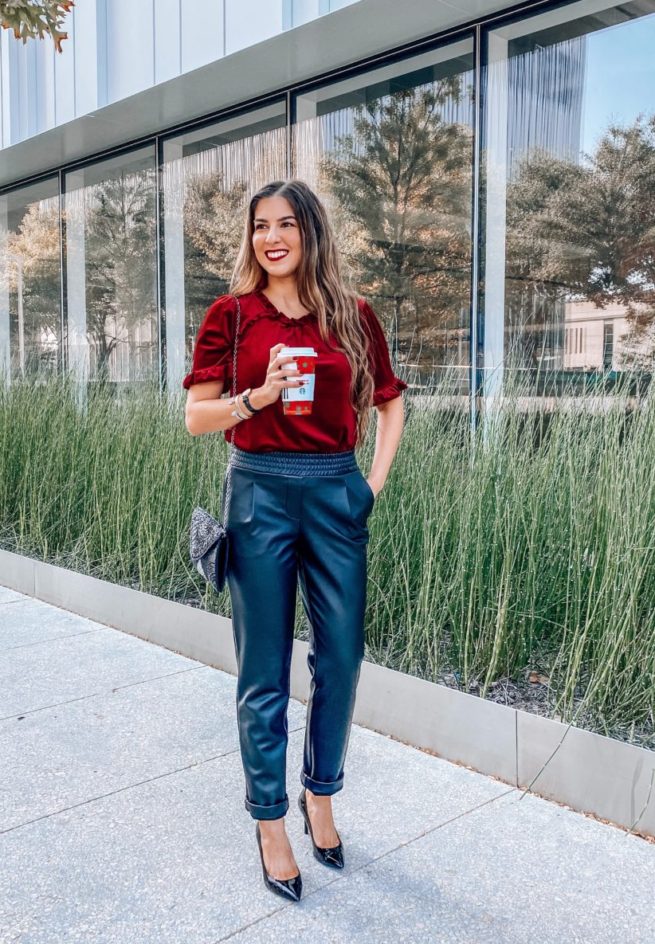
(568, 160)
(209, 175)
(111, 269)
(390, 152)
(30, 283)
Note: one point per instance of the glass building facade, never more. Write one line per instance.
(491, 188)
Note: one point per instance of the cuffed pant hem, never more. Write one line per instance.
(319, 787)
(274, 811)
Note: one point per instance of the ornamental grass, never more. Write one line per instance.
(525, 546)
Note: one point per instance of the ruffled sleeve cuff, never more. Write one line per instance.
(386, 385)
(203, 374)
(212, 354)
(389, 392)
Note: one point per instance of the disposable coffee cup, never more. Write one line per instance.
(298, 401)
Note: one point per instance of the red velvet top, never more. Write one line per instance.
(332, 424)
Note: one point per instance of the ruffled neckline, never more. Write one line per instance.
(280, 315)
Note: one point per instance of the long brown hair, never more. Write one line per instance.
(321, 286)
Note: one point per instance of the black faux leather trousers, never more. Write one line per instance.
(296, 517)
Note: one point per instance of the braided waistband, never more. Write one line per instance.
(295, 463)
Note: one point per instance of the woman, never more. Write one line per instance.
(299, 504)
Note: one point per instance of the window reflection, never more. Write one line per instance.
(30, 283)
(569, 159)
(390, 152)
(111, 270)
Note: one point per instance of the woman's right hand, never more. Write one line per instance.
(275, 381)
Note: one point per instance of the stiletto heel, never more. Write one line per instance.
(290, 888)
(332, 856)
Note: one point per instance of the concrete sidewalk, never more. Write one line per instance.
(122, 820)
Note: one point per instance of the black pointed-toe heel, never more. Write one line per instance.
(332, 856)
(290, 888)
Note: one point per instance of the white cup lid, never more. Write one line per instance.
(299, 352)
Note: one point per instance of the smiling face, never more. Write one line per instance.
(276, 238)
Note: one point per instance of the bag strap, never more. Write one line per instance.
(228, 490)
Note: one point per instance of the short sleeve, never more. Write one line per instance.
(212, 352)
(387, 385)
